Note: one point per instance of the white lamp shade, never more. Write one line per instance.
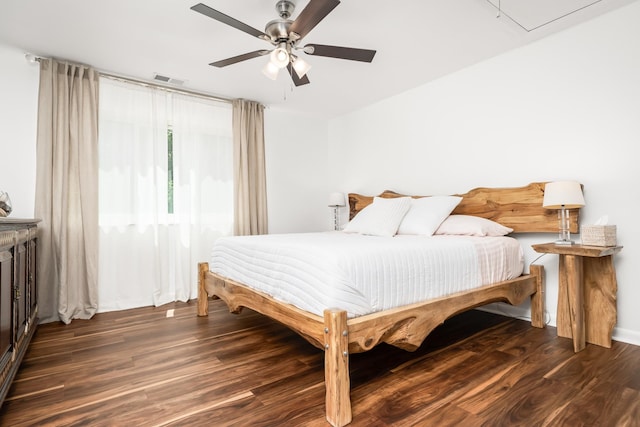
(301, 66)
(279, 57)
(563, 193)
(336, 199)
(270, 70)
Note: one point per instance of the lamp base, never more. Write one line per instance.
(564, 242)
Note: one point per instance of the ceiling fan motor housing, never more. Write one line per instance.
(278, 29)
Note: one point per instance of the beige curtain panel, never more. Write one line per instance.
(250, 195)
(67, 191)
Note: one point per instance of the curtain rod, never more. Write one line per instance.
(33, 59)
(167, 88)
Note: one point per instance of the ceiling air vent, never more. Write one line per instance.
(165, 79)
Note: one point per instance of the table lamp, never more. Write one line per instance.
(336, 200)
(563, 195)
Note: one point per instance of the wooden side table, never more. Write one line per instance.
(587, 287)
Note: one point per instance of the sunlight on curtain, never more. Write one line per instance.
(166, 192)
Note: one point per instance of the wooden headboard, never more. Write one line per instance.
(519, 208)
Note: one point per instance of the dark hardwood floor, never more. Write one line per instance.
(142, 368)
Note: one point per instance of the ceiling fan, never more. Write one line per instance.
(285, 35)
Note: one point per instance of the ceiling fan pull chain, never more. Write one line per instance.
(284, 90)
(499, 8)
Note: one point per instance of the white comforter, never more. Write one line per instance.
(364, 274)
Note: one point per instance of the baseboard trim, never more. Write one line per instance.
(619, 334)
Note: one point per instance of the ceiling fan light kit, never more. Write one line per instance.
(285, 35)
(270, 70)
(301, 66)
(280, 56)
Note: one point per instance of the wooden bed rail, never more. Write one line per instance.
(405, 327)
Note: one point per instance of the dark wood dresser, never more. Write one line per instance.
(18, 295)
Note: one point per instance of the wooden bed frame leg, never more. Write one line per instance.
(537, 299)
(336, 367)
(203, 297)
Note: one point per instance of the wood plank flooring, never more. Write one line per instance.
(142, 368)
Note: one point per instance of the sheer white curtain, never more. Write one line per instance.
(155, 227)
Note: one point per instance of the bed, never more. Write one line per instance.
(343, 329)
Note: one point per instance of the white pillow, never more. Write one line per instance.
(467, 225)
(427, 213)
(380, 218)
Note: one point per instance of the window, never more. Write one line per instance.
(166, 191)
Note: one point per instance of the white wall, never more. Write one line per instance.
(565, 107)
(297, 180)
(18, 118)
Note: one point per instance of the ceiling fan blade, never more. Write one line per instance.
(350, 53)
(239, 58)
(294, 76)
(311, 15)
(225, 19)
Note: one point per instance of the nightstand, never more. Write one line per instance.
(587, 287)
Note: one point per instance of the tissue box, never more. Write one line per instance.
(598, 235)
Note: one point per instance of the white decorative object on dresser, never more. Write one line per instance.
(18, 295)
(5, 204)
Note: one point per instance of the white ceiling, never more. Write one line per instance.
(416, 41)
